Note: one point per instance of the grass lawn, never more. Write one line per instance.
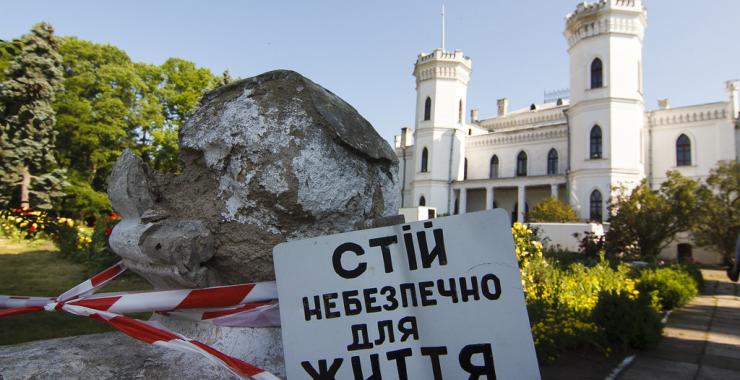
(36, 269)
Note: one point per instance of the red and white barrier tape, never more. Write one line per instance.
(245, 305)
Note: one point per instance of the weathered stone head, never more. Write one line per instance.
(266, 159)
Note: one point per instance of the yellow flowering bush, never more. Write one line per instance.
(23, 224)
(561, 301)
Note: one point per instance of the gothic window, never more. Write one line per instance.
(428, 109)
(683, 151)
(424, 160)
(521, 164)
(552, 162)
(597, 74)
(465, 169)
(460, 112)
(493, 170)
(422, 201)
(595, 150)
(595, 206)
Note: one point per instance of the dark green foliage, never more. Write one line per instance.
(627, 322)
(93, 251)
(112, 103)
(8, 51)
(717, 222)
(28, 170)
(552, 210)
(675, 287)
(644, 221)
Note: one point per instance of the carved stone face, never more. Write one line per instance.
(266, 159)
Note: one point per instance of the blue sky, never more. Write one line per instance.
(364, 50)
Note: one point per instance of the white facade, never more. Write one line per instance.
(566, 156)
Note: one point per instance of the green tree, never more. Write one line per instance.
(552, 210)
(717, 221)
(96, 119)
(644, 221)
(27, 135)
(8, 51)
(112, 103)
(179, 91)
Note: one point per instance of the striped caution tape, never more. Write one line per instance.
(244, 305)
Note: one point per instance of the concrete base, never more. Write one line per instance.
(117, 356)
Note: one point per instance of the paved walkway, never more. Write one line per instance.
(700, 341)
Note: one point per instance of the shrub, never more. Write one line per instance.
(552, 210)
(99, 255)
(675, 286)
(601, 306)
(85, 244)
(23, 224)
(626, 320)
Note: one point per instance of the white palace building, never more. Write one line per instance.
(576, 149)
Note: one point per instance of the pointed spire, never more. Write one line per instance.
(443, 27)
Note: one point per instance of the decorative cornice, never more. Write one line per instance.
(440, 64)
(517, 137)
(708, 112)
(605, 16)
(550, 116)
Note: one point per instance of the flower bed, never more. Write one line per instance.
(75, 240)
(604, 306)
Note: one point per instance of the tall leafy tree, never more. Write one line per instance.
(644, 221)
(717, 221)
(111, 103)
(95, 119)
(27, 135)
(182, 86)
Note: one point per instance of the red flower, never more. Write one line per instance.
(32, 228)
(113, 216)
(108, 231)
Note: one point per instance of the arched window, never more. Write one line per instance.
(460, 112)
(521, 164)
(597, 74)
(424, 160)
(493, 170)
(595, 206)
(422, 201)
(465, 169)
(595, 142)
(428, 109)
(683, 151)
(552, 162)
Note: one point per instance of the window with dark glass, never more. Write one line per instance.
(683, 151)
(424, 160)
(493, 170)
(552, 162)
(596, 206)
(597, 74)
(465, 169)
(422, 201)
(596, 151)
(428, 109)
(521, 164)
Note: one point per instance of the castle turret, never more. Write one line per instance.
(606, 116)
(441, 100)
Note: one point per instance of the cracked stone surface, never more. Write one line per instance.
(266, 159)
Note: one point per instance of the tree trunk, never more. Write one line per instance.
(25, 185)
